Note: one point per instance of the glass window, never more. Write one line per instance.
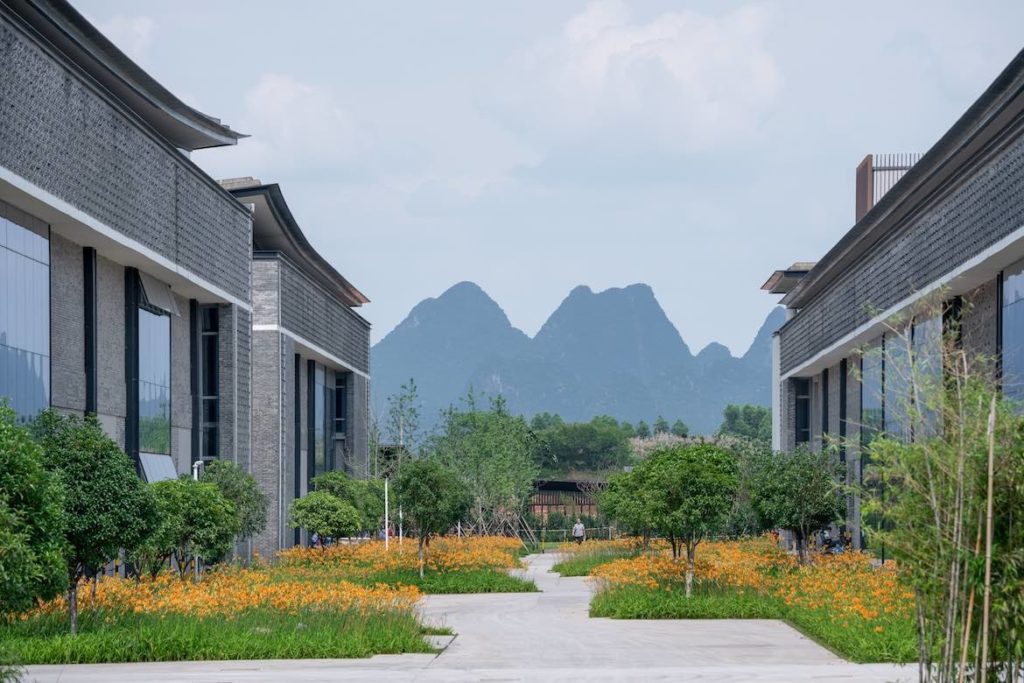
(319, 421)
(210, 380)
(897, 384)
(928, 371)
(802, 388)
(871, 393)
(24, 313)
(1013, 332)
(340, 405)
(154, 382)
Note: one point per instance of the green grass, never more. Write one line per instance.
(584, 561)
(855, 640)
(471, 581)
(255, 634)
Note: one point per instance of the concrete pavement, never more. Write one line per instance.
(539, 636)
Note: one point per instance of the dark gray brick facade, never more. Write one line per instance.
(61, 133)
(309, 311)
(67, 325)
(980, 211)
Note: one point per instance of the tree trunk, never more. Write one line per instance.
(801, 547)
(691, 549)
(73, 606)
(421, 554)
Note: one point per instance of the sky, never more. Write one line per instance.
(533, 146)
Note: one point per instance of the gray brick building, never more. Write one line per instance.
(195, 325)
(948, 224)
(311, 362)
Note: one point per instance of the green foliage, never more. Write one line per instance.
(661, 425)
(680, 429)
(627, 500)
(628, 430)
(542, 421)
(797, 491)
(642, 429)
(432, 498)
(195, 519)
(584, 446)
(326, 515)
(593, 555)
(253, 634)
(366, 496)
(452, 582)
(494, 454)
(748, 422)
(106, 506)
(402, 425)
(31, 522)
(244, 493)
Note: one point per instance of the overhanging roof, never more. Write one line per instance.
(998, 112)
(275, 229)
(783, 281)
(70, 33)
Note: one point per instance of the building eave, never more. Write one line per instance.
(999, 109)
(82, 43)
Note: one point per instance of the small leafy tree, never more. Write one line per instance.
(642, 429)
(196, 522)
(325, 514)
(106, 506)
(797, 491)
(748, 422)
(31, 523)
(402, 424)
(244, 493)
(365, 495)
(691, 489)
(434, 500)
(661, 425)
(680, 429)
(627, 500)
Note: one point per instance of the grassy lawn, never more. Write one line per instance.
(253, 634)
(859, 611)
(590, 555)
(342, 601)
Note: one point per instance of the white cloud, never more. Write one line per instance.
(294, 127)
(133, 35)
(683, 81)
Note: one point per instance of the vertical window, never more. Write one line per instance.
(824, 405)
(319, 420)
(843, 372)
(872, 398)
(154, 384)
(24, 313)
(340, 406)
(897, 382)
(1012, 332)
(209, 381)
(802, 389)
(928, 370)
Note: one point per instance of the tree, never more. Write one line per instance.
(244, 493)
(747, 421)
(106, 506)
(366, 496)
(324, 514)
(661, 425)
(196, 522)
(586, 446)
(434, 499)
(628, 430)
(642, 430)
(542, 421)
(495, 455)
(797, 491)
(31, 523)
(627, 501)
(403, 419)
(680, 429)
(691, 489)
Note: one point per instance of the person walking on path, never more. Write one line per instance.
(578, 532)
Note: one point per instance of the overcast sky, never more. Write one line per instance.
(534, 146)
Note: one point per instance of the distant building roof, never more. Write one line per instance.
(275, 229)
(782, 281)
(82, 43)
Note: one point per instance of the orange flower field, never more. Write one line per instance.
(842, 590)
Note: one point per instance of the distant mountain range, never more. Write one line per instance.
(607, 353)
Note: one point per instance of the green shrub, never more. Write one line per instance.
(326, 515)
(242, 489)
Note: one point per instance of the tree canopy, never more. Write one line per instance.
(366, 496)
(325, 515)
(31, 521)
(433, 499)
(583, 446)
(747, 421)
(244, 493)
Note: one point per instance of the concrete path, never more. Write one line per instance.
(540, 636)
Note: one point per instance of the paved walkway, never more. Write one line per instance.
(540, 636)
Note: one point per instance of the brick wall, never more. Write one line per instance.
(67, 325)
(63, 135)
(983, 209)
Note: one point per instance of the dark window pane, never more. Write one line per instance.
(210, 446)
(154, 382)
(210, 363)
(211, 320)
(872, 414)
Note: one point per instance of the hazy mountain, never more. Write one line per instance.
(612, 352)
